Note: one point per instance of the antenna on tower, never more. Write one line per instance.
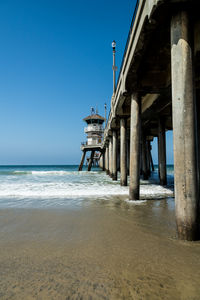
(96, 110)
(92, 111)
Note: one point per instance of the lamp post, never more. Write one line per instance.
(114, 67)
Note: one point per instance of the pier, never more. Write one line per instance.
(158, 90)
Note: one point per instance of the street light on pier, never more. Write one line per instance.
(114, 67)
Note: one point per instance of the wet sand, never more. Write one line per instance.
(107, 250)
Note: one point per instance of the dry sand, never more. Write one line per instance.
(108, 251)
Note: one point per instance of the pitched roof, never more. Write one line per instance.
(93, 117)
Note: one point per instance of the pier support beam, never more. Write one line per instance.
(162, 152)
(150, 157)
(107, 159)
(91, 160)
(128, 152)
(103, 160)
(110, 157)
(114, 177)
(100, 162)
(186, 195)
(105, 163)
(144, 157)
(82, 161)
(118, 156)
(134, 185)
(123, 152)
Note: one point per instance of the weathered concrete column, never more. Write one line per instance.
(150, 157)
(114, 177)
(186, 196)
(107, 159)
(82, 161)
(141, 172)
(123, 152)
(110, 157)
(197, 102)
(134, 185)
(128, 152)
(91, 160)
(118, 156)
(144, 157)
(103, 160)
(100, 162)
(162, 152)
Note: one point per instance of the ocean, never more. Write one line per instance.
(63, 186)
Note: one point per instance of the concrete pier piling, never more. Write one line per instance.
(100, 162)
(144, 157)
(91, 160)
(82, 161)
(110, 156)
(128, 152)
(123, 152)
(114, 177)
(103, 161)
(186, 196)
(107, 159)
(150, 157)
(134, 185)
(162, 152)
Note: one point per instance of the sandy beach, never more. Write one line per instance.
(110, 250)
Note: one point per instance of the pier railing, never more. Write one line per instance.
(91, 144)
(123, 60)
(128, 38)
(94, 128)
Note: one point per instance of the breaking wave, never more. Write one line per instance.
(19, 187)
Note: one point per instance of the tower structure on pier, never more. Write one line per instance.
(94, 131)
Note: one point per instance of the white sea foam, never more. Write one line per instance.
(43, 173)
(155, 191)
(50, 173)
(62, 189)
(48, 187)
(59, 190)
(136, 202)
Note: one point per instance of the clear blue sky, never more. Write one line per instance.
(55, 63)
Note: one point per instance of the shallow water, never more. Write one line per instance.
(64, 186)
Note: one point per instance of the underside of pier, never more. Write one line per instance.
(159, 90)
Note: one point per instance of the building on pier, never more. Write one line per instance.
(94, 131)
